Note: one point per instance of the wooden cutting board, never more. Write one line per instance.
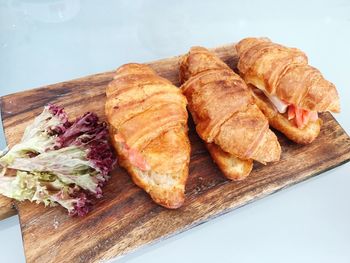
(126, 218)
(6, 208)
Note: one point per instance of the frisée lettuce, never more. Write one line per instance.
(58, 161)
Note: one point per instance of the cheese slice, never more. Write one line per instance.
(279, 104)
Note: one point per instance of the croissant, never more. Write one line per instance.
(291, 91)
(235, 130)
(147, 119)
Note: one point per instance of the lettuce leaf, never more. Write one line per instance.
(59, 162)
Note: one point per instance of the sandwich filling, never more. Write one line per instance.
(133, 155)
(300, 116)
(280, 105)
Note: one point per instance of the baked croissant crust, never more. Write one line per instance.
(284, 73)
(148, 125)
(224, 113)
(280, 122)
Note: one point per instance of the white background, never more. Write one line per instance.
(43, 42)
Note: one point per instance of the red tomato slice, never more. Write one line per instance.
(299, 117)
(306, 117)
(302, 117)
(291, 112)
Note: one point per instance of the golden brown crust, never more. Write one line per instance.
(148, 122)
(166, 181)
(223, 110)
(280, 122)
(285, 72)
(232, 167)
(214, 96)
(247, 135)
(199, 61)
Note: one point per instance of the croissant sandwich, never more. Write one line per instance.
(288, 90)
(148, 126)
(236, 132)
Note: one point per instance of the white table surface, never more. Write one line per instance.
(44, 42)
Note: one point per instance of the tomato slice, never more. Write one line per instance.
(291, 112)
(301, 116)
(306, 117)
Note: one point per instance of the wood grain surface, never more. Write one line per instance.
(6, 207)
(126, 218)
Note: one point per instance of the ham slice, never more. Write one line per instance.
(134, 156)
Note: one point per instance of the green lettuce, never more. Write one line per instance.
(59, 162)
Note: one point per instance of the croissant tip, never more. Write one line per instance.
(265, 39)
(335, 107)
